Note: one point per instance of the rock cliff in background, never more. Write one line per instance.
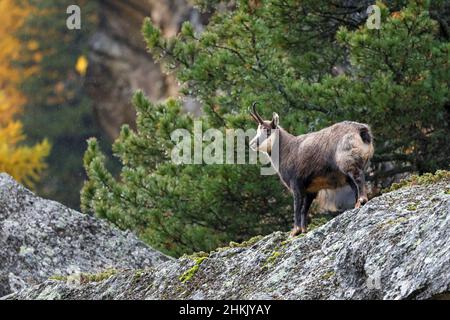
(395, 247)
(41, 238)
(119, 63)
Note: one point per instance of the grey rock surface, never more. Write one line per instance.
(395, 247)
(41, 238)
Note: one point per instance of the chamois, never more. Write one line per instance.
(331, 158)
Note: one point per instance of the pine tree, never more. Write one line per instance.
(282, 54)
(178, 208)
(24, 163)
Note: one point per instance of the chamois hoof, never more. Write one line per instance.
(296, 231)
(361, 201)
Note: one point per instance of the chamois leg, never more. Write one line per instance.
(298, 203)
(351, 181)
(307, 200)
(357, 183)
(361, 182)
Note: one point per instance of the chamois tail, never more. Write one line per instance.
(366, 135)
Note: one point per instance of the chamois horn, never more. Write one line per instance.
(255, 113)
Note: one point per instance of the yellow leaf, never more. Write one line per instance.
(25, 163)
(396, 15)
(37, 57)
(32, 45)
(81, 65)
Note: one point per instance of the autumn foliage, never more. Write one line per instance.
(24, 163)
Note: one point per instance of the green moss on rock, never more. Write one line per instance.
(244, 244)
(194, 256)
(328, 275)
(58, 278)
(248, 243)
(98, 277)
(188, 274)
(86, 277)
(271, 259)
(425, 179)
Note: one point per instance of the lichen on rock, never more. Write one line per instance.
(40, 239)
(383, 250)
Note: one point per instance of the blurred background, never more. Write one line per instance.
(59, 87)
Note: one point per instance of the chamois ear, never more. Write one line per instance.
(275, 120)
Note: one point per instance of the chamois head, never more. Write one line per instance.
(265, 133)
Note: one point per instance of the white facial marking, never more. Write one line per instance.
(254, 143)
(261, 142)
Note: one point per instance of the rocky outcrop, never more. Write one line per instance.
(119, 63)
(41, 238)
(395, 247)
